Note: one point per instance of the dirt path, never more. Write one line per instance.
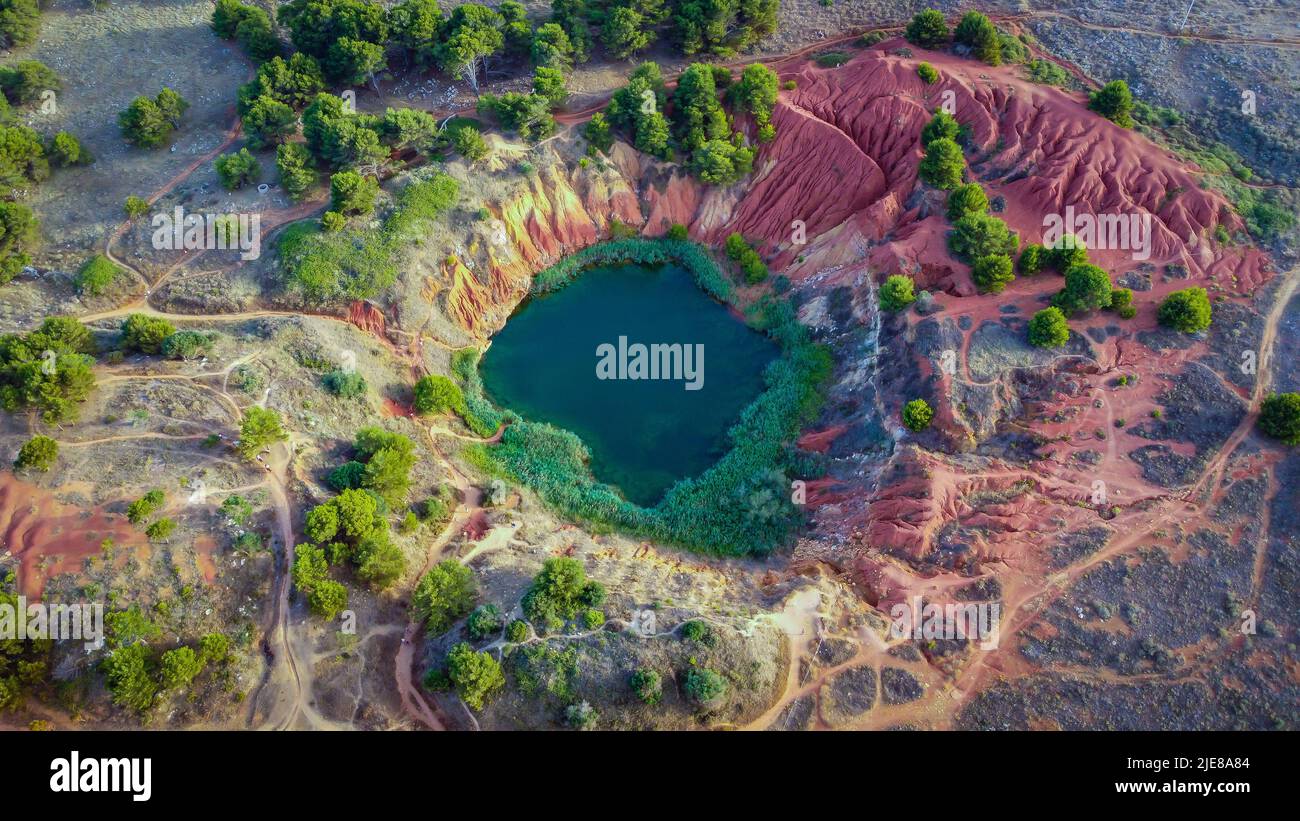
(413, 700)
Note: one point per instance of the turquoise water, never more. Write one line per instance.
(644, 434)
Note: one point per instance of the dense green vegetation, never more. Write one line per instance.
(752, 267)
(715, 512)
(1087, 288)
(1187, 310)
(695, 124)
(977, 32)
(917, 415)
(238, 169)
(896, 293)
(943, 165)
(1279, 417)
(23, 664)
(559, 593)
(20, 21)
(444, 595)
(260, 429)
(37, 453)
(927, 29)
(476, 675)
(1114, 101)
(361, 263)
(149, 123)
(49, 369)
(1048, 329)
(138, 673)
(96, 275)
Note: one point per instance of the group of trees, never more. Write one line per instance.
(974, 33)
(559, 593)
(743, 254)
(25, 156)
(352, 528)
(696, 123)
(49, 369)
(20, 22)
(150, 122)
(138, 674)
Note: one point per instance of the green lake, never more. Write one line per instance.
(647, 432)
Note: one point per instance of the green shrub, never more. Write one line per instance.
(1187, 310)
(135, 207)
(1121, 302)
(19, 236)
(1114, 101)
(149, 123)
(517, 631)
(238, 169)
(37, 453)
(484, 622)
(443, 596)
(917, 415)
(96, 275)
(145, 334)
(648, 686)
(179, 666)
(1046, 72)
(743, 254)
(66, 150)
(351, 193)
(260, 429)
(435, 393)
(1065, 253)
(345, 384)
(704, 686)
(23, 82)
(1279, 417)
(1087, 288)
(145, 506)
(977, 31)
(832, 59)
(981, 235)
(1032, 259)
(896, 293)
(1048, 329)
(187, 345)
(967, 199)
(160, 530)
(295, 164)
(943, 166)
(556, 594)
(927, 73)
(992, 273)
(469, 143)
(699, 632)
(927, 29)
(476, 676)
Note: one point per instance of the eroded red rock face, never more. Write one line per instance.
(368, 317)
(844, 163)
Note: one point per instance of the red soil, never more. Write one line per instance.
(845, 160)
(49, 537)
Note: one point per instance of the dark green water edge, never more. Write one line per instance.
(739, 506)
